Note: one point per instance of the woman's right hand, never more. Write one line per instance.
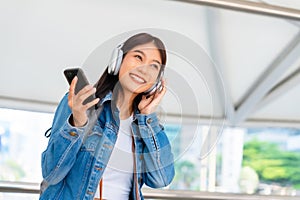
(75, 102)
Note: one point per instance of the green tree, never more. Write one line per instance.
(271, 163)
(186, 176)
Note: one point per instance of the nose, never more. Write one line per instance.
(147, 70)
(142, 69)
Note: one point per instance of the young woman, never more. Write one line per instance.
(113, 156)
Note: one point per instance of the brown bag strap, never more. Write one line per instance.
(134, 170)
(100, 188)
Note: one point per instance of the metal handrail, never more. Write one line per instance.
(250, 7)
(192, 195)
(33, 188)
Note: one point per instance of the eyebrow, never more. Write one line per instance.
(141, 52)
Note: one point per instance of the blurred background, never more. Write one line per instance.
(232, 110)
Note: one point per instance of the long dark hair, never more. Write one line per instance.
(107, 82)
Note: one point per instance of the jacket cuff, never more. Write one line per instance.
(72, 132)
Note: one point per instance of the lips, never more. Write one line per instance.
(136, 78)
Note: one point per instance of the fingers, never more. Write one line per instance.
(76, 100)
(72, 91)
(85, 92)
(92, 103)
(149, 105)
(159, 95)
(73, 85)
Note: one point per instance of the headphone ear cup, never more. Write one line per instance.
(115, 60)
(157, 87)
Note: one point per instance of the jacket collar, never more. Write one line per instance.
(108, 97)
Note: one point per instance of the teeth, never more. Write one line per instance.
(138, 79)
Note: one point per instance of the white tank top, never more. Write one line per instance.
(118, 175)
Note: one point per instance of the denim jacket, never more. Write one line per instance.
(76, 157)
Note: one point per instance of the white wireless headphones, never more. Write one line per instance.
(115, 60)
(115, 65)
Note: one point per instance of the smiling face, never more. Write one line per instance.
(140, 68)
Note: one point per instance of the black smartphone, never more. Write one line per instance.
(82, 81)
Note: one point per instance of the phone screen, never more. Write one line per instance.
(81, 83)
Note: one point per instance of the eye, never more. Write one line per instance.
(156, 66)
(138, 57)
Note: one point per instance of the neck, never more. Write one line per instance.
(124, 104)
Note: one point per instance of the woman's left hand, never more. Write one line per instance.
(149, 105)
